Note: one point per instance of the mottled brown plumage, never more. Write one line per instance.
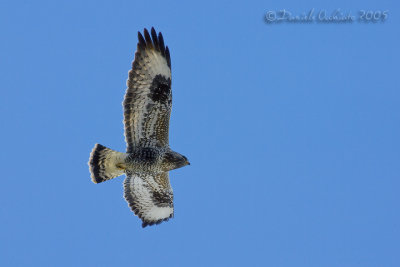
(148, 158)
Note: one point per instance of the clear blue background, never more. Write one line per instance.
(292, 131)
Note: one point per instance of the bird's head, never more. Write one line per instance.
(173, 160)
(186, 160)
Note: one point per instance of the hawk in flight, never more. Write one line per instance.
(148, 158)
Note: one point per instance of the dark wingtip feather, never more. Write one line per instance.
(149, 42)
(161, 43)
(142, 42)
(155, 39)
(151, 223)
(168, 57)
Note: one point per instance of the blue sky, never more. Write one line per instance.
(292, 131)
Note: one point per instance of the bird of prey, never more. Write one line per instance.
(148, 158)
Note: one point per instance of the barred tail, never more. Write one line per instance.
(105, 163)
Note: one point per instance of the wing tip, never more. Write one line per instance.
(154, 42)
(151, 223)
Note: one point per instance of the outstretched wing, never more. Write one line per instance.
(149, 196)
(148, 99)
